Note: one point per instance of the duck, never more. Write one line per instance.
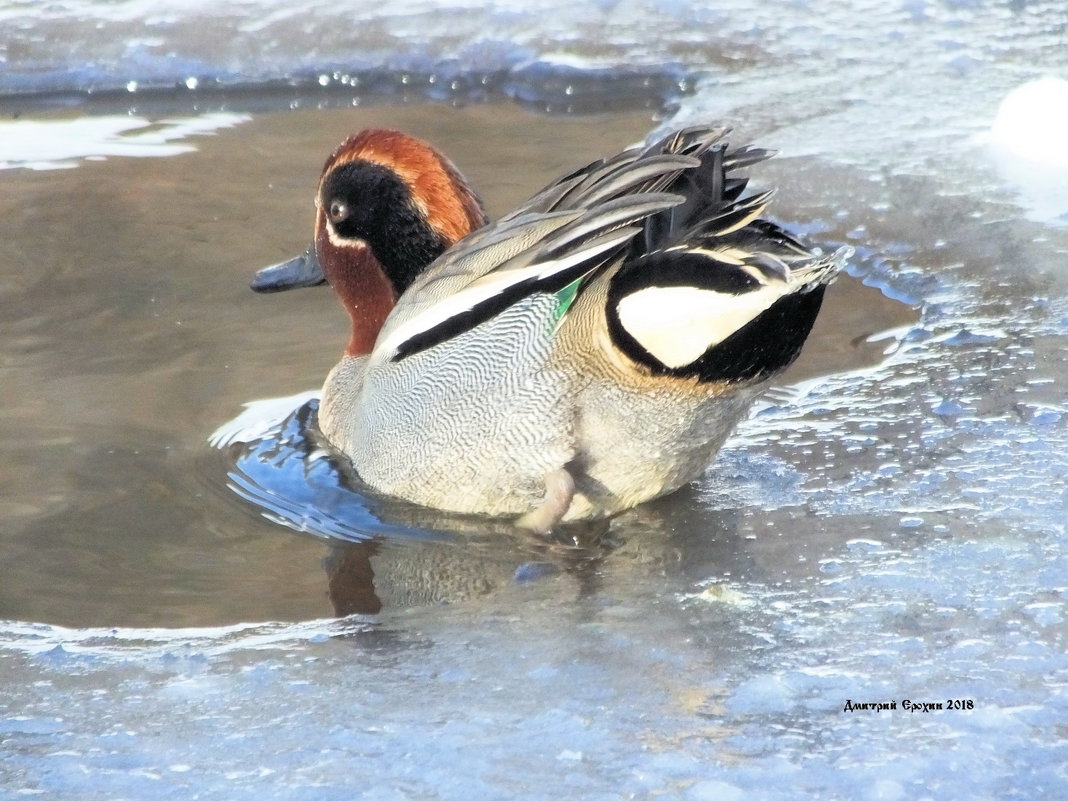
(588, 351)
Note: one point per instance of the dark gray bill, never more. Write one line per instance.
(304, 270)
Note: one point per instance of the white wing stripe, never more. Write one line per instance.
(491, 284)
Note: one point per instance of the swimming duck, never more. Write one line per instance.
(589, 351)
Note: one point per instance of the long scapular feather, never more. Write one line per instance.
(612, 214)
(732, 217)
(606, 184)
(484, 253)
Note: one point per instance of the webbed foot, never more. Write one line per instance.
(559, 491)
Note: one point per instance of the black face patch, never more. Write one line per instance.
(379, 209)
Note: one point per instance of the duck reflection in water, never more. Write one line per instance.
(385, 552)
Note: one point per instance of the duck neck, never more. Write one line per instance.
(363, 287)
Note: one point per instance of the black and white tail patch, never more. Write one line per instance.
(690, 315)
(677, 324)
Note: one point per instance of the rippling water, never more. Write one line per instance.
(888, 525)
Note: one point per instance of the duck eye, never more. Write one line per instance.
(339, 211)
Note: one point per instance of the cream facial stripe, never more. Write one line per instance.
(343, 242)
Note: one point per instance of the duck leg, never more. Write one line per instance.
(559, 490)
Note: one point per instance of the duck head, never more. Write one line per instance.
(388, 204)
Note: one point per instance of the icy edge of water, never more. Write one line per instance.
(62, 144)
(35, 639)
